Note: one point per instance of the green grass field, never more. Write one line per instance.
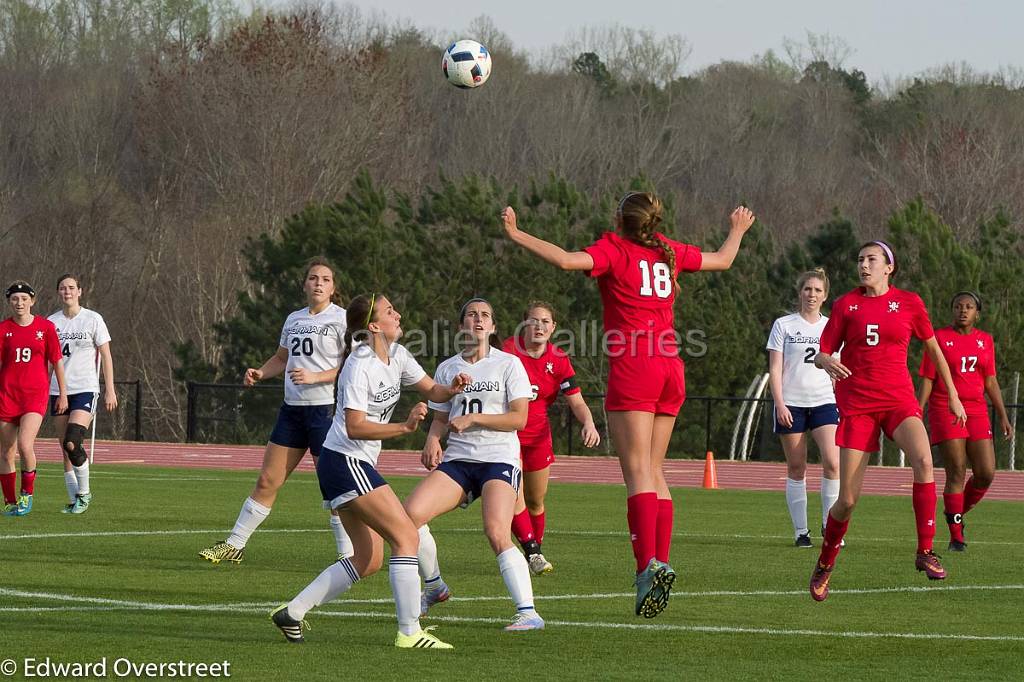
(124, 580)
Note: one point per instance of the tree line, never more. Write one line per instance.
(185, 159)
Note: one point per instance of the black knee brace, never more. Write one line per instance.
(73, 438)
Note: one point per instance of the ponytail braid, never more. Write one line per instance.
(640, 213)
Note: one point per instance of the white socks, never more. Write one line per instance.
(71, 483)
(82, 474)
(341, 539)
(829, 495)
(332, 582)
(796, 500)
(516, 574)
(429, 569)
(249, 519)
(404, 574)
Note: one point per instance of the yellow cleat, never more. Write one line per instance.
(421, 640)
(222, 551)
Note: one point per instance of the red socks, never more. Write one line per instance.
(972, 495)
(522, 528)
(832, 542)
(28, 482)
(663, 531)
(642, 516)
(924, 512)
(538, 526)
(953, 504)
(7, 481)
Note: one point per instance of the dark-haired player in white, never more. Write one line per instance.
(480, 460)
(83, 335)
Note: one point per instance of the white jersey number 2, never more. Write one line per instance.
(662, 280)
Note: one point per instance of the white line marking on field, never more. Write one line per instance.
(440, 531)
(663, 627)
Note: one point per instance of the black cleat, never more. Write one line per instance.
(804, 540)
(289, 627)
(957, 546)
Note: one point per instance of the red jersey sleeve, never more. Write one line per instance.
(922, 324)
(927, 369)
(835, 330)
(605, 256)
(688, 257)
(989, 368)
(53, 353)
(567, 377)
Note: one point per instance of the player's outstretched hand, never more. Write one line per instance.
(417, 414)
(252, 376)
(508, 217)
(741, 218)
(835, 369)
(591, 436)
(460, 382)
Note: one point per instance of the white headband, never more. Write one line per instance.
(888, 252)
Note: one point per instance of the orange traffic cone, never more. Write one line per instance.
(710, 478)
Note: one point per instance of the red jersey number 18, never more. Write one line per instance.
(662, 279)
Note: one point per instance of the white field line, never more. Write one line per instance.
(575, 533)
(106, 604)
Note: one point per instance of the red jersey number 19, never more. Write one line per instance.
(662, 279)
(22, 354)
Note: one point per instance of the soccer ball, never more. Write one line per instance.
(466, 64)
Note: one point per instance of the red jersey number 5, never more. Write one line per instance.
(871, 333)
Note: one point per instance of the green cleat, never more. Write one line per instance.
(81, 503)
(222, 551)
(24, 505)
(11, 509)
(421, 640)
(68, 508)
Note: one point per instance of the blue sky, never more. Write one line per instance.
(889, 37)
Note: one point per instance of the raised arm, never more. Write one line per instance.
(361, 428)
(436, 393)
(556, 255)
(741, 219)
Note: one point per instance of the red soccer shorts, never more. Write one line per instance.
(13, 408)
(654, 384)
(941, 426)
(862, 431)
(538, 455)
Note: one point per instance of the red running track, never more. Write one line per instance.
(1008, 485)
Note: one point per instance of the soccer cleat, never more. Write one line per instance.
(539, 565)
(430, 597)
(819, 581)
(957, 546)
(928, 562)
(421, 640)
(81, 503)
(804, 540)
(68, 507)
(649, 591)
(289, 627)
(24, 505)
(525, 620)
(11, 509)
(222, 551)
(662, 590)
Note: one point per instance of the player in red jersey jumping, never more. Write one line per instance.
(636, 268)
(872, 325)
(29, 347)
(551, 373)
(971, 356)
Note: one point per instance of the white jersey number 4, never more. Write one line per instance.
(662, 279)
